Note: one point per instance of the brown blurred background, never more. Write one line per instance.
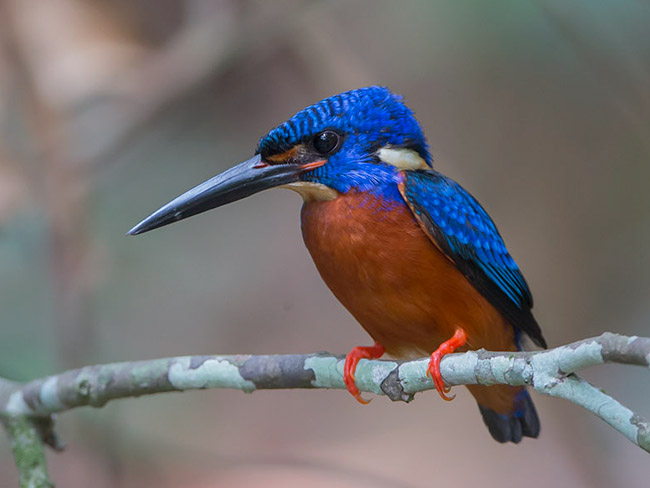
(108, 109)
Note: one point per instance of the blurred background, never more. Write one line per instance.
(108, 109)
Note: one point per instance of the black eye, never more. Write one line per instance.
(326, 142)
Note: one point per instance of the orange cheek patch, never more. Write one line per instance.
(285, 156)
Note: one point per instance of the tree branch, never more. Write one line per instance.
(27, 446)
(550, 372)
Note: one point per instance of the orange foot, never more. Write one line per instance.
(351, 361)
(459, 339)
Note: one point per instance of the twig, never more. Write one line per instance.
(28, 451)
(550, 372)
(27, 409)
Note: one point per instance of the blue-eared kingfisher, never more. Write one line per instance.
(409, 252)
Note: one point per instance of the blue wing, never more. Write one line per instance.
(459, 226)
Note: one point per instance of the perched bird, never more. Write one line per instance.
(410, 253)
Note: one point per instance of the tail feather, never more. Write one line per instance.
(511, 427)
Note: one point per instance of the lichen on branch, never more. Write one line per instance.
(550, 372)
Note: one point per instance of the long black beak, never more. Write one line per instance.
(239, 182)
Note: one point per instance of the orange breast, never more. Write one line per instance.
(405, 292)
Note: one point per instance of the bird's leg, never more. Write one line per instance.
(433, 371)
(351, 361)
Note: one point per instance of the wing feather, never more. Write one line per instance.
(462, 229)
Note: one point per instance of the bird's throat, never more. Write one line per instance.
(313, 192)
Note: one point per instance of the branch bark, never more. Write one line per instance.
(550, 372)
(27, 447)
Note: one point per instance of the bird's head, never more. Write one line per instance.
(355, 141)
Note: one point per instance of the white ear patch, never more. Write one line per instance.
(312, 192)
(402, 158)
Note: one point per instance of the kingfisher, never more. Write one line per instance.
(409, 252)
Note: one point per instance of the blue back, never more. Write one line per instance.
(467, 231)
(464, 231)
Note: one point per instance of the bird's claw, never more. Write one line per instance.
(433, 371)
(351, 361)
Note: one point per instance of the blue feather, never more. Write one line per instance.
(467, 231)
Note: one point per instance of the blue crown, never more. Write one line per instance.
(374, 112)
